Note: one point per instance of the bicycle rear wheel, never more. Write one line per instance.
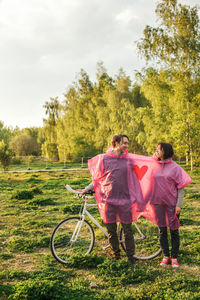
(146, 236)
(71, 237)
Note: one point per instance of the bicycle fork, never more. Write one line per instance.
(77, 230)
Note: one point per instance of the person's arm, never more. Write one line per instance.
(179, 200)
(88, 188)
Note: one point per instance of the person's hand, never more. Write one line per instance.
(82, 192)
(178, 210)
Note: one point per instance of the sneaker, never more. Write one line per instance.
(166, 261)
(175, 263)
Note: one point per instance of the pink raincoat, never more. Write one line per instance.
(129, 186)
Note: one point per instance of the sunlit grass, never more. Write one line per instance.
(26, 228)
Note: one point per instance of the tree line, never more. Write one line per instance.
(161, 104)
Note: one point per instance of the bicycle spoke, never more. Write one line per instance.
(71, 237)
(146, 236)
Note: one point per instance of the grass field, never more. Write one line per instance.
(42, 165)
(32, 204)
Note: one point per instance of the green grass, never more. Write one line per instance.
(29, 271)
(42, 165)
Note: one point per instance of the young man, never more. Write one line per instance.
(112, 175)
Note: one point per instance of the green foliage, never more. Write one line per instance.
(6, 256)
(51, 290)
(22, 195)
(5, 155)
(86, 262)
(5, 290)
(22, 244)
(14, 274)
(16, 161)
(25, 235)
(122, 272)
(38, 201)
(175, 46)
(33, 180)
(193, 196)
(71, 209)
(36, 289)
(29, 194)
(23, 145)
(5, 133)
(49, 147)
(27, 245)
(170, 288)
(52, 151)
(36, 191)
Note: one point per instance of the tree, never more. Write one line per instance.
(5, 133)
(5, 155)
(175, 46)
(49, 148)
(23, 145)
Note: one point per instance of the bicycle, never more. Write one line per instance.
(75, 235)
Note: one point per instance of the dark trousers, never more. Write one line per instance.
(129, 240)
(175, 242)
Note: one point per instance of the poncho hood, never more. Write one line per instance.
(166, 161)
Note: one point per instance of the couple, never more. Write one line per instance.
(128, 185)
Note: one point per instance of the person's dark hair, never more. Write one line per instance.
(123, 135)
(168, 150)
(117, 138)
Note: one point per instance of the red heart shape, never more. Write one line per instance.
(140, 172)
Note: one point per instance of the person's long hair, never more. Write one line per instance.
(168, 150)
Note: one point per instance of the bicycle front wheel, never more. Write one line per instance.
(71, 237)
(146, 236)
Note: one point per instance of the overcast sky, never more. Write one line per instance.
(45, 43)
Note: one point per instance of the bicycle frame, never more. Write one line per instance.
(141, 235)
(86, 212)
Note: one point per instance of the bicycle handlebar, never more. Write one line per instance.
(68, 187)
(71, 190)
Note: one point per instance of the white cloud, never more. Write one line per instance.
(45, 43)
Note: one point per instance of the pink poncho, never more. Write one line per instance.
(135, 185)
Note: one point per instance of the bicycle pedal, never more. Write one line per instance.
(106, 247)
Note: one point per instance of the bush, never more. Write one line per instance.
(14, 275)
(22, 195)
(16, 161)
(36, 191)
(120, 272)
(24, 245)
(5, 155)
(86, 262)
(40, 202)
(6, 256)
(5, 290)
(28, 245)
(33, 180)
(39, 290)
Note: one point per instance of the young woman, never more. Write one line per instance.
(169, 182)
